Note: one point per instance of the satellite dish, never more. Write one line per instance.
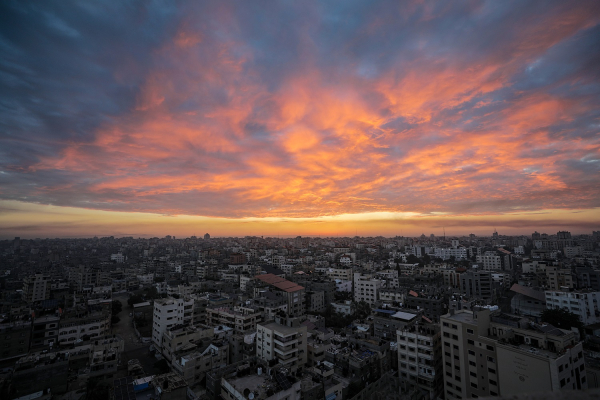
(251, 396)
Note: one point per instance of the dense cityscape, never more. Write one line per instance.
(300, 200)
(299, 318)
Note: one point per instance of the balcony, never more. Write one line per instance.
(284, 342)
(285, 351)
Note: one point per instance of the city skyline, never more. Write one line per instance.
(312, 119)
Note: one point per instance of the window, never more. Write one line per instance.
(445, 344)
(473, 374)
(491, 370)
(471, 352)
(471, 342)
(491, 359)
(455, 337)
(473, 385)
(490, 348)
(493, 382)
(470, 331)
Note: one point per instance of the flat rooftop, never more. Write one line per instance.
(462, 316)
(286, 330)
(253, 382)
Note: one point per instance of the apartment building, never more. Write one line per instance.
(420, 359)
(286, 344)
(490, 261)
(193, 367)
(344, 274)
(168, 313)
(558, 278)
(292, 292)
(240, 319)
(476, 284)
(488, 353)
(583, 303)
(36, 288)
(366, 289)
(180, 336)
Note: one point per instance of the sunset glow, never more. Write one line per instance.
(302, 118)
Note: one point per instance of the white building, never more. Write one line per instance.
(36, 287)
(365, 288)
(118, 258)
(168, 313)
(584, 304)
(283, 343)
(490, 261)
(459, 253)
(343, 286)
(343, 308)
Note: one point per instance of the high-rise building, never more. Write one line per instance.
(168, 313)
(420, 359)
(488, 353)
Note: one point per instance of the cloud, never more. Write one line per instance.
(305, 110)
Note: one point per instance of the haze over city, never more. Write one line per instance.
(306, 118)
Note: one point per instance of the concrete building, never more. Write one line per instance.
(366, 289)
(315, 301)
(433, 306)
(192, 367)
(241, 319)
(488, 353)
(582, 303)
(286, 344)
(36, 288)
(558, 278)
(45, 332)
(420, 359)
(180, 336)
(476, 284)
(168, 313)
(292, 292)
(490, 261)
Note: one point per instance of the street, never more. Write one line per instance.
(133, 347)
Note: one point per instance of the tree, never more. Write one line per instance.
(114, 319)
(562, 318)
(363, 310)
(162, 365)
(117, 306)
(412, 259)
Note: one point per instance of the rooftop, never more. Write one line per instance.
(279, 282)
(461, 316)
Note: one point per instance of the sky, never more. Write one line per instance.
(310, 118)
